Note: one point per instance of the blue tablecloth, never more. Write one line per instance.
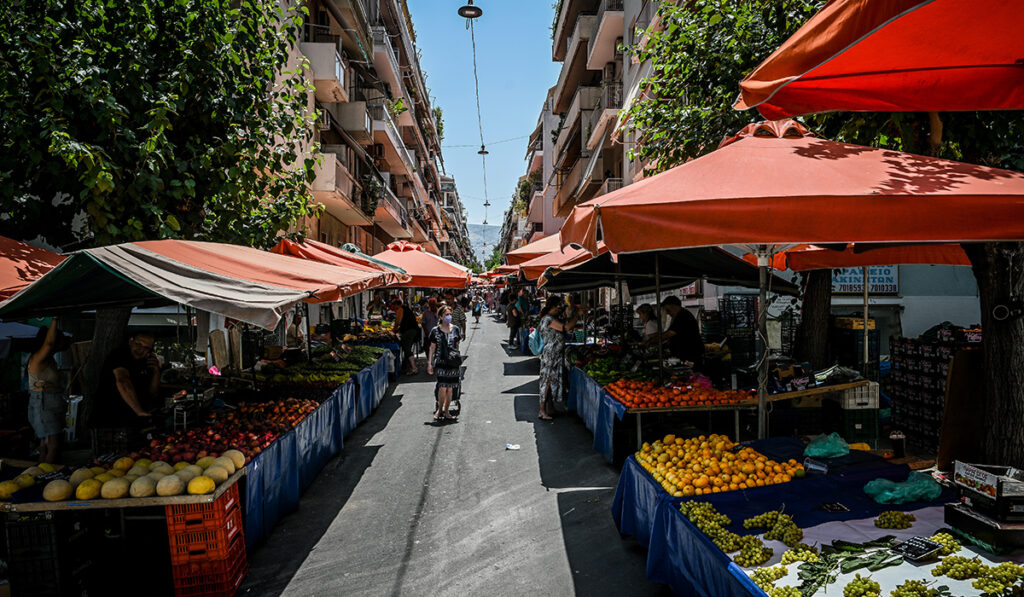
(597, 409)
(681, 556)
(280, 473)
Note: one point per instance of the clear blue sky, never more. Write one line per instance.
(513, 45)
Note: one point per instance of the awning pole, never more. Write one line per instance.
(762, 341)
(657, 299)
(306, 334)
(866, 331)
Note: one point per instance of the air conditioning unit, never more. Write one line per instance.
(325, 120)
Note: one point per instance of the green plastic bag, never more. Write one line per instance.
(827, 446)
(917, 487)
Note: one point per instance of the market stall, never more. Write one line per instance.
(426, 269)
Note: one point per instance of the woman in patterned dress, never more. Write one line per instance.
(444, 359)
(553, 327)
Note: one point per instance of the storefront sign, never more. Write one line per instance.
(885, 279)
(689, 290)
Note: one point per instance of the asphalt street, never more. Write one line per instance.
(413, 509)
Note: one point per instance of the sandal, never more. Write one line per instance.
(545, 417)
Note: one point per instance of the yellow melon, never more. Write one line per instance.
(170, 485)
(131, 478)
(103, 477)
(143, 487)
(185, 475)
(218, 473)
(205, 462)
(25, 480)
(116, 472)
(139, 471)
(88, 489)
(47, 467)
(58, 490)
(115, 488)
(195, 470)
(7, 489)
(81, 475)
(225, 463)
(201, 485)
(98, 470)
(124, 464)
(180, 465)
(236, 457)
(35, 471)
(143, 462)
(159, 463)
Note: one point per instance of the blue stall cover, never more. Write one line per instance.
(314, 441)
(280, 480)
(347, 413)
(597, 409)
(365, 392)
(380, 377)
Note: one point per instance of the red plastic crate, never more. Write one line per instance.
(205, 544)
(209, 516)
(213, 578)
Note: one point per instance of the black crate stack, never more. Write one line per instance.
(918, 384)
(739, 325)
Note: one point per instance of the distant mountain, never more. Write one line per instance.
(483, 238)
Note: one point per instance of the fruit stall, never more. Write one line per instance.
(721, 519)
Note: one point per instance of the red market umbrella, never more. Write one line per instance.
(533, 250)
(775, 185)
(897, 55)
(534, 268)
(22, 264)
(324, 253)
(427, 270)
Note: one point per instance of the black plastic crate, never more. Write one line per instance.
(49, 553)
(115, 440)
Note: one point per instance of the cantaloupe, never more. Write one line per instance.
(25, 480)
(157, 475)
(98, 470)
(218, 473)
(116, 472)
(236, 457)
(201, 485)
(131, 478)
(170, 485)
(205, 462)
(195, 470)
(7, 489)
(139, 471)
(81, 475)
(226, 464)
(115, 488)
(103, 477)
(56, 491)
(185, 475)
(159, 463)
(143, 487)
(88, 489)
(180, 465)
(143, 462)
(35, 471)
(124, 464)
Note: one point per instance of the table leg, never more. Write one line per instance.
(639, 438)
(736, 420)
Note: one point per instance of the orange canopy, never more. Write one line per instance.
(773, 184)
(324, 253)
(427, 270)
(852, 256)
(533, 250)
(22, 264)
(535, 268)
(896, 55)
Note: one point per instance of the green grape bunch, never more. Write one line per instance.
(766, 577)
(894, 519)
(784, 591)
(959, 568)
(862, 586)
(752, 552)
(712, 523)
(996, 580)
(780, 527)
(799, 553)
(914, 588)
(949, 544)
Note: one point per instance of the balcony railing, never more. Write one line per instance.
(379, 112)
(609, 185)
(606, 6)
(381, 38)
(396, 205)
(608, 104)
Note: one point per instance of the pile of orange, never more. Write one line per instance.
(711, 464)
(651, 394)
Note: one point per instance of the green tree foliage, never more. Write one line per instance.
(703, 51)
(124, 121)
(495, 259)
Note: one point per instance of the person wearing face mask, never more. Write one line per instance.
(443, 358)
(553, 326)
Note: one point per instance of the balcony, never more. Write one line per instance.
(575, 66)
(565, 197)
(601, 49)
(570, 10)
(338, 191)
(357, 15)
(389, 137)
(605, 112)
(609, 185)
(385, 61)
(584, 99)
(391, 216)
(354, 119)
(322, 47)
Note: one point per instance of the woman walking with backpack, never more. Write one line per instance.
(443, 358)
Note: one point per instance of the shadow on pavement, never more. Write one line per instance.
(585, 484)
(529, 387)
(530, 366)
(273, 563)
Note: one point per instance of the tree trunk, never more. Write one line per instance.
(111, 326)
(812, 339)
(997, 268)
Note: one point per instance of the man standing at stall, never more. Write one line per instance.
(683, 334)
(129, 384)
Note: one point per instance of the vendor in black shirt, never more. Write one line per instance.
(129, 384)
(683, 334)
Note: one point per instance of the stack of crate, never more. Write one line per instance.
(49, 553)
(854, 414)
(847, 342)
(739, 325)
(207, 546)
(918, 384)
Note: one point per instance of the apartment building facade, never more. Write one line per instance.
(380, 172)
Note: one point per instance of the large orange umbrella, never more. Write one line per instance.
(775, 184)
(533, 250)
(897, 55)
(427, 270)
(324, 253)
(534, 268)
(22, 264)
